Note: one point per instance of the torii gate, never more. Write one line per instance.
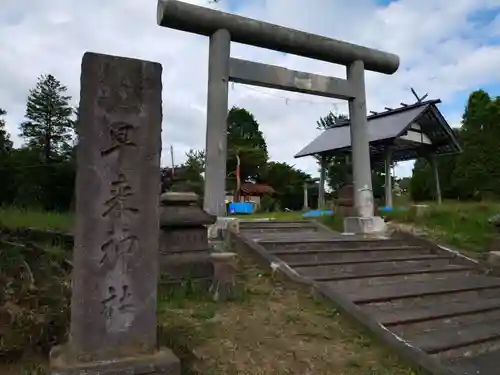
(222, 28)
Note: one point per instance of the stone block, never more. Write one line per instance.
(420, 209)
(182, 267)
(183, 197)
(224, 279)
(113, 306)
(494, 259)
(162, 362)
(115, 258)
(364, 225)
(184, 247)
(183, 239)
(182, 210)
(221, 225)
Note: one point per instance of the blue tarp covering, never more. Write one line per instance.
(390, 208)
(317, 213)
(240, 208)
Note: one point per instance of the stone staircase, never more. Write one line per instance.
(440, 309)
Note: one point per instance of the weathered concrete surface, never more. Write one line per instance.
(204, 21)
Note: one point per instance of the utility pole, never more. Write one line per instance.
(172, 158)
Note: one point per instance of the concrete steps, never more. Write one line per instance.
(440, 304)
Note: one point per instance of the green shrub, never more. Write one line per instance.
(34, 298)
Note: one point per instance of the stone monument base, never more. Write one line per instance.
(223, 223)
(364, 225)
(163, 362)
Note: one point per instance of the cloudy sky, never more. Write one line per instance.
(447, 48)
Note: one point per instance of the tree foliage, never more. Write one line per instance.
(49, 125)
(475, 173)
(245, 139)
(41, 173)
(288, 182)
(5, 142)
(7, 187)
(339, 168)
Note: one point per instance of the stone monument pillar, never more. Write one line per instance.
(115, 258)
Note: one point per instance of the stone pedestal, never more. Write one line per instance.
(161, 362)
(184, 248)
(224, 280)
(218, 229)
(420, 209)
(364, 225)
(494, 259)
(344, 205)
(115, 268)
(495, 243)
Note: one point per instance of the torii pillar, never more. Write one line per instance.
(223, 28)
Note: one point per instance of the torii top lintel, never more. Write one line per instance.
(204, 21)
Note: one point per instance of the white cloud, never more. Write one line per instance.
(441, 50)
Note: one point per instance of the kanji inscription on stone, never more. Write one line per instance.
(115, 273)
(121, 135)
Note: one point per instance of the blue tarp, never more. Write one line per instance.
(240, 208)
(317, 213)
(390, 208)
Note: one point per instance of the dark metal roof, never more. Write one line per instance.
(385, 128)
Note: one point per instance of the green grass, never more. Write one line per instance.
(458, 224)
(464, 225)
(293, 215)
(18, 218)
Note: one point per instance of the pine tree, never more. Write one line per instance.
(477, 165)
(5, 142)
(49, 128)
(246, 142)
(7, 187)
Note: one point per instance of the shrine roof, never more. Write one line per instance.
(392, 128)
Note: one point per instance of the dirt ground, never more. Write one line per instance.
(274, 327)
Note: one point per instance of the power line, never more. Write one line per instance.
(287, 99)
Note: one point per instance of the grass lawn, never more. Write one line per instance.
(464, 225)
(19, 218)
(292, 215)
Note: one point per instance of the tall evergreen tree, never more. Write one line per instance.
(49, 126)
(244, 142)
(5, 142)
(7, 187)
(478, 167)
